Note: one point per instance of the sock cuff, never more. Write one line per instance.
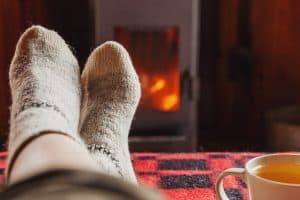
(34, 122)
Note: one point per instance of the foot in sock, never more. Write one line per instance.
(45, 86)
(111, 92)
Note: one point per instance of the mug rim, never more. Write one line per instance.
(250, 172)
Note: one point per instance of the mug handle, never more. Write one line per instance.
(240, 172)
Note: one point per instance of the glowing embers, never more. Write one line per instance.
(155, 55)
(170, 102)
(157, 86)
(158, 95)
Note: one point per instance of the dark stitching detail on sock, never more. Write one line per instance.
(27, 105)
(104, 149)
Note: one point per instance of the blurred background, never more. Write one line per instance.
(217, 75)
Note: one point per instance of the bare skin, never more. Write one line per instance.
(50, 151)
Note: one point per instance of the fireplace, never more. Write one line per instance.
(161, 37)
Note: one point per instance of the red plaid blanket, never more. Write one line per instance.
(185, 176)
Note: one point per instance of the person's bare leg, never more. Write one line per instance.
(49, 152)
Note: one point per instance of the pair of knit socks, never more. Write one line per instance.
(46, 92)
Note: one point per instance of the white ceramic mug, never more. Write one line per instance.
(260, 188)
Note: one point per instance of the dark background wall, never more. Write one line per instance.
(237, 110)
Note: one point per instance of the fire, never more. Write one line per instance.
(157, 64)
(158, 85)
(169, 102)
(160, 93)
(164, 99)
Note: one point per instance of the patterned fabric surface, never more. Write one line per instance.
(185, 176)
(2, 166)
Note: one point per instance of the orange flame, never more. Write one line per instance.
(158, 85)
(170, 102)
(157, 64)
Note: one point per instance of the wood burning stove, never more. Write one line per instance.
(162, 38)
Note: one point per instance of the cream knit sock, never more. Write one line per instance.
(45, 87)
(111, 92)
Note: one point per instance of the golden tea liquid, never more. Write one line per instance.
(282, 172)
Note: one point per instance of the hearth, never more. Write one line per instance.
(162, 39)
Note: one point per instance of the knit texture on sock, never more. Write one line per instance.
(111, 92)
(45, 87)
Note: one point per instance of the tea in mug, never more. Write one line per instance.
(281, 172)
